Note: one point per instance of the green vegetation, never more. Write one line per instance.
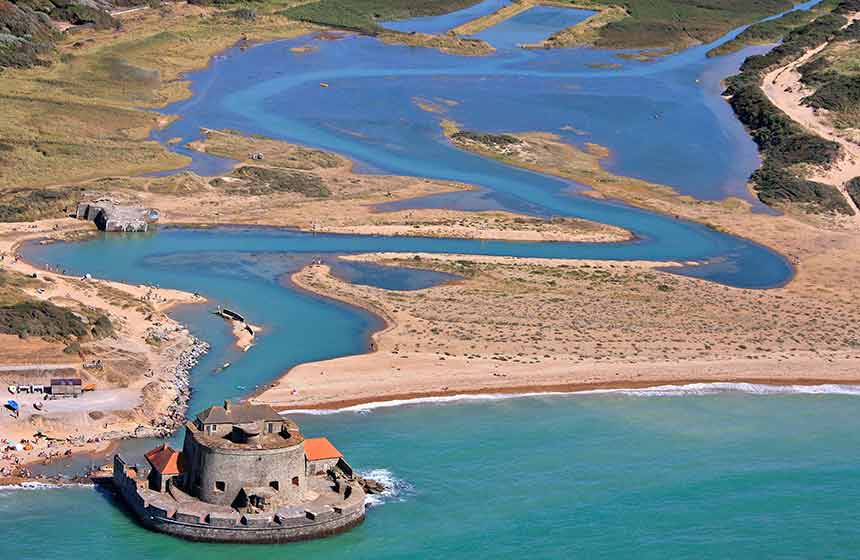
(494, 141)
(796, 43)
(776, 186)
(23, 316)
(258, 181)
(840, 94)
(80, 117)
(669, 24)
(28, 205)
(40, 318)
(366, 15)
(675, 24)
(834, 74)
(25, 36)
(12, 285)
(26, 31)
(853, 188)
(772, 31)
(787, 147)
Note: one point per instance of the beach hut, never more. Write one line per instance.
(69, 387)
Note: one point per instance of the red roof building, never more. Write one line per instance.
(165, 460)
(320, 449)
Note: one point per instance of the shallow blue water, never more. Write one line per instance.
(531, 26)
(597, 477)
(665, 120)
(440, 24)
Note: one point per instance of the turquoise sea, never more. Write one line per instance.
(591, 476)
(695, 472)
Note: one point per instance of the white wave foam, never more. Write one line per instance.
(33, 485)
(28, 486)
(691, 389)
(746, 388)
(395, 488)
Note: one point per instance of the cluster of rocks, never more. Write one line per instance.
(175, 415)
(369, 485)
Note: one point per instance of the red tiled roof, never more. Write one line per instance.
(164, 459)
(317, 449)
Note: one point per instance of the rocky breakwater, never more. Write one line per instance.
(178, 382)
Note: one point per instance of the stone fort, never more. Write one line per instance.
(245, 474)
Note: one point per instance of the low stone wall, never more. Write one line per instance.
(255, 529)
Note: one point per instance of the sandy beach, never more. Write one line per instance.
(138, 390)
(389, 377)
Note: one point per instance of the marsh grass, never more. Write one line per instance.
(673, 24)
(81, 117)
(772, 31)
(366, 15)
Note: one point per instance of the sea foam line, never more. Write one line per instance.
(35, 485)
(690, 389)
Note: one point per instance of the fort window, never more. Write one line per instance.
(220, 485)
(295, 481)
(275, 485)
(270, 427)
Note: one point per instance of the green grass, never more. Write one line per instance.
(772, 31)
(29, 205)
(834, 74)
(366, 15)
(80, 118)
(841, 94)
(668, 24)
(674, 24)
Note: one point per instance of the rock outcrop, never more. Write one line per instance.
(27, 34)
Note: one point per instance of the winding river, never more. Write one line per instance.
(695, 472)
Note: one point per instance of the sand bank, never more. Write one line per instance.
(524, 325)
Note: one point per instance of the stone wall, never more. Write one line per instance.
(216, 475)
(321, 466)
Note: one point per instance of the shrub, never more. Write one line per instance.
(853, 188)
(839, 94)
(40, 318)
(264, 180)
(785, 145)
